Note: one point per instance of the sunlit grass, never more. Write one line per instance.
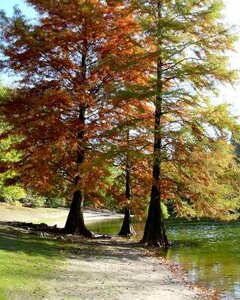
(26, 266)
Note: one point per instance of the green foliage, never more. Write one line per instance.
(112, 180)
(34, 200)
(55, 201)
(186, 48)
(9, 193)
(12, 194)
(164, 211)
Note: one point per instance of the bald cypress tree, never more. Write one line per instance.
(185, 46)
(66, 62)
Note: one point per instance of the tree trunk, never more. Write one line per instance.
(154, 232)
(127, 229)
(75, 222)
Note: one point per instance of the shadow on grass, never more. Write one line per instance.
(27, 263)
(12, 239)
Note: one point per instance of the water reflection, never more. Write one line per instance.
(215, 261)
(208, 251)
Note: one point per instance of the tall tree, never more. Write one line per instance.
(185, 44)
(126, 229)
(67, 62)
(127, 140)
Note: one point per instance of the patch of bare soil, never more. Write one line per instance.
(120, 271)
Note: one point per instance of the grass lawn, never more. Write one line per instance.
(27, 263)
(32, 267)
(37, 268)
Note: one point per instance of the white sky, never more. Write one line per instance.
(232, 13)
(227, 93)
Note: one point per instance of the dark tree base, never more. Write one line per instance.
(155, 232)
(155, 236)
(127, 228)
(75, 222)
(84, 232)
(43, 230)
(159, 242)
(129, 231)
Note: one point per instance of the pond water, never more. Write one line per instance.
(208, 251)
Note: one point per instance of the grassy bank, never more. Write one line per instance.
(33, 267)
(30, 265)
(27, 263)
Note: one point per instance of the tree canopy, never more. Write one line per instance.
(124, 83)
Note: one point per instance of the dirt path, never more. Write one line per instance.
(103, 271)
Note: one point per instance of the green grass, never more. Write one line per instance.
(27, 264)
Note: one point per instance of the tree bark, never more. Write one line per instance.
(154, 232)
(75, 222)
(126, 229)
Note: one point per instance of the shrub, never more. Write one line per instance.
(55, 201)
(12, 194)
(33, 200)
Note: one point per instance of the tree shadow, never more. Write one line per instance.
(14, 239)
(119, 250)
(12, 242)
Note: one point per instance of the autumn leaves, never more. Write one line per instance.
(124, 84)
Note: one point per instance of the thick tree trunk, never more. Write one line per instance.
(127, 229)
(75, 222)
(154, 232)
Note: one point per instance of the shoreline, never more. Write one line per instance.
(93, 215)
(122, 270)
(177, 270)
(52, 216)
(115, 269)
